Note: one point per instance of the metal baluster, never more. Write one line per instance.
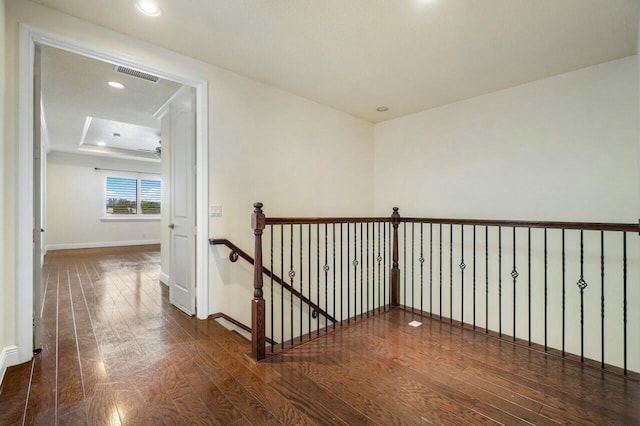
(361, 268)
(451, 273)
(379, 259)
(348, 275)
(486, 279)
(404, 260)
(282, 289)
(373, 269)
(563, 291)
(602, 298)
(462, 267)
(440, 257)
(271, 279)
(514, 275)
(355, 272)
(325, 268)
(310, 309)
(413, 256)
(318, 277)
(624, 296)
(367, 267)
(421, 267)
(341, 283)
(333, 240)
(431, 269)
(500, 281)
(581, 285)
(546, 290)
(474, 277)
(292, 274)
(384, 265)
(529, 285)
(301, 284)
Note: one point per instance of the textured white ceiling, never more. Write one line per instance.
(355, 55)
(75, 87)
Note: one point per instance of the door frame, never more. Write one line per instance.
(29, 37)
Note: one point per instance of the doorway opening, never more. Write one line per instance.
(91, 161)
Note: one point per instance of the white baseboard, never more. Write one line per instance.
(101, 244)
(164, 278)
(8, 357)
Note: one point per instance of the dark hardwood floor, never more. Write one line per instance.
(116, 352)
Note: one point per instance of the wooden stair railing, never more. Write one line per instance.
(258, 310)
(575, 260)
(237, 252)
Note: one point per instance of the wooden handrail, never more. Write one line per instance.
(222, 315)
(241, 253)
(322, 220)
(234, 249)
(585, 226)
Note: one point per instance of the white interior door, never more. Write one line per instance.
(37, 205)
(182, 289)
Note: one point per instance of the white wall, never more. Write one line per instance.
(75, 203)
(563, 148)
(297, 157)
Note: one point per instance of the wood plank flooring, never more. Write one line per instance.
(116, 352)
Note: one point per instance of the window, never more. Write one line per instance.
(149, 196)
(130, 196)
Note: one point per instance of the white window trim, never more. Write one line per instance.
(129, 218)
(138, 217)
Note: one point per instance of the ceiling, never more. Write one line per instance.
(116, 134)
(356, 55)
(74, 88)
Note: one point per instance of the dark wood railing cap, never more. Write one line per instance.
(258, 220)
(585, 226)
(395, 217)
(323, 220)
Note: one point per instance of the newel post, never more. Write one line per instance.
(257, 304)
(395, 270)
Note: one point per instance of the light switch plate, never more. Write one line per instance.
(216, 211)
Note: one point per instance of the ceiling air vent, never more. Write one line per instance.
(137, 74)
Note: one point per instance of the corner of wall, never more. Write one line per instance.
(8, 357)
(3, 280)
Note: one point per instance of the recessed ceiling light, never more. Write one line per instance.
(149, 8)
(116, 85)
(382, 109)
(100, 143)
